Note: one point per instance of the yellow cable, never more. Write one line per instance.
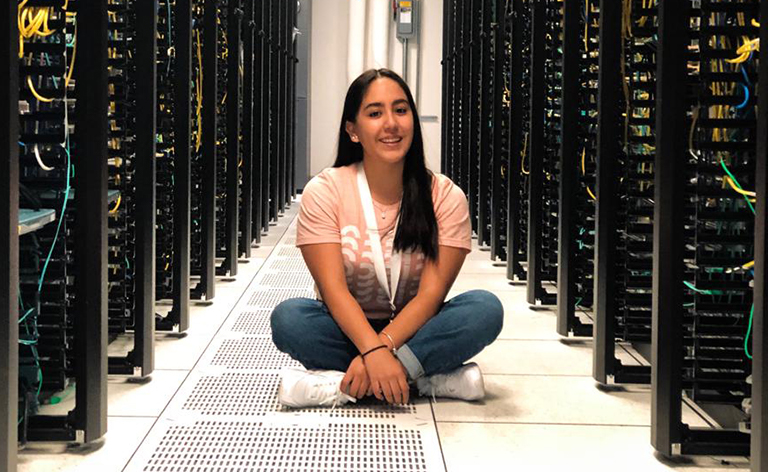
(522, 155)
(34, 92)
(72, 63)
(199, 87)
(586, 28)
(117, 205)
(737, 189)
(584, 171)
(748, 265)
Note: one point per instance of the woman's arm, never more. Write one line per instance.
(436, 280)
(378, 372)
(325, 264)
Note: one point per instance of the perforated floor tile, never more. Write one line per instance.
(236, 446)
(251, 322)
(289, 251)
(272, 297)
(254, 394)
(274, 279)
(291, 264)
(247, 353)
(226, 417)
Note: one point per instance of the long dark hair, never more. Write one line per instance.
(418, 226)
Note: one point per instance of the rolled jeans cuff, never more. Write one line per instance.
(410, 362)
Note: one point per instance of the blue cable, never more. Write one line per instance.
(746, 97)
(744, 72)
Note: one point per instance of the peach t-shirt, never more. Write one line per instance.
(331, 212)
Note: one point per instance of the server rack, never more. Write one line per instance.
(499, 168)
(656, 142)
(476, 67)
(272, 17)
(260, 123)
(291, 59)
(624, 210)
(173, 186)
(542, 150)
(132, 150)
(228, 135)
(703, 230)
(274, 78)
(64, 332)
(517, 203)
(248, 236)
(483, 150)
(204, 163)
(576, 209)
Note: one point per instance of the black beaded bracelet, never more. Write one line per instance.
(380, 346)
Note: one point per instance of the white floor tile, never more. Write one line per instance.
(483, 266)
(504, 447)
(553, 400)
(492, 283)
(541, 358)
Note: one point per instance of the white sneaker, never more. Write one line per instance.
(301, 388)
(464, 383)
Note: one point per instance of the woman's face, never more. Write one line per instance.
(384, 123)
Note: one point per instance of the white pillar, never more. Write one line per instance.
(356, 49)
(380, 22)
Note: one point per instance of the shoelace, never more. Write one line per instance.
(330, 389)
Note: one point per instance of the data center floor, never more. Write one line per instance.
(210, 404)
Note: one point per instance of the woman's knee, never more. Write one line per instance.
(285, 321)
(489, 312)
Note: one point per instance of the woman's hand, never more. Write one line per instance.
(387, 376)
(356, 383)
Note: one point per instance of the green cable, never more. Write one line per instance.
(698, 290)
(749, 332)
(29, 312)
(736, 182)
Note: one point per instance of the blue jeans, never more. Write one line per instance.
(304, 329)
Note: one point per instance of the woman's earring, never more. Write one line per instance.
(354, 138)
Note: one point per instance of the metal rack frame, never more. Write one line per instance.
(142, 359)
(9, 237)
(89, 421)
(182, 202)
(483, 156)
(605, 366)
(514, 261)
(246, 210)
(496, 207)
(207, 285)
(536, 150)
(234, 15)
(262, 20)
(759, 434)
(567, 321)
